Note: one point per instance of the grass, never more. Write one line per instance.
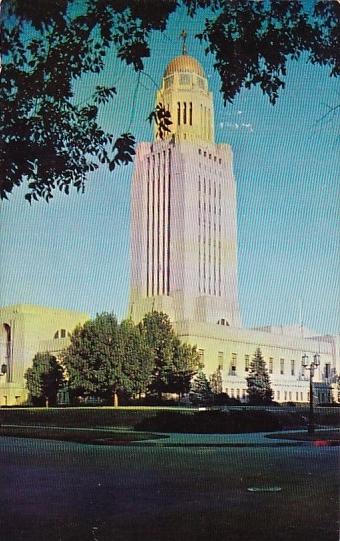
(88, 436)
(90, 417)
(131, 416)
(318, 436)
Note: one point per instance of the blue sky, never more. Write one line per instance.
(74, 253)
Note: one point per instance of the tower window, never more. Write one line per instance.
(178, 113)
(292, 367)
(184, 112)
(185, 79)
(168, 81)
(200, 82)
(190, 114)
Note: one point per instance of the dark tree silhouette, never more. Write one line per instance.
(44, 379)
(175, 363)
(258, 382)
(53, 143)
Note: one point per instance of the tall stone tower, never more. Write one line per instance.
(184, 245)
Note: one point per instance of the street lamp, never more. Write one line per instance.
(311, 365)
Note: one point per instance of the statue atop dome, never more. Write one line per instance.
(183, 35)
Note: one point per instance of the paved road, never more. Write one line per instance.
(57, 491)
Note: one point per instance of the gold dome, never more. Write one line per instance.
(184, 63)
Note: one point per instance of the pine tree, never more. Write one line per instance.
(200, 392)
(216, 382)
(258, 382)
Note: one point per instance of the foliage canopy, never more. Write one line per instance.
(44, 379)
(106, 359)
(259, 389)
(175, 363)
(53, 142)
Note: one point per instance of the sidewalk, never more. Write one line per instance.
(251, 439)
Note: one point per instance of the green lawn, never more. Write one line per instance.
(89, 436)
(318, 436)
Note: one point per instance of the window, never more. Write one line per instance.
(56, 335)
(290, 395)
(178, 113)
(246, 363)
(271, 365)
(200, 82)
(327, 370)
(233, 361)
(301, 397)
(282, 366)
(185, 112)
(220, 360)
(292, 367)
(285, 395)
(169, 81)
(63, 333)
(297, 396)
(238, 393)
(232, 393)
(185, 79)
(190, 114)
(308, 396)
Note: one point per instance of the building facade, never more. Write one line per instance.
(184, 246)
(184, 250)
(25, 331)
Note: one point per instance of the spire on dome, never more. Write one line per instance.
(183, 35)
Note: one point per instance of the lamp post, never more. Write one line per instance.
(311, 365)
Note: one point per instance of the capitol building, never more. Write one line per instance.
(184, 263)
(184, 250)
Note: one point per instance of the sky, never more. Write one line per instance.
(74, 252)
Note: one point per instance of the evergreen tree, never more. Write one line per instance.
(216, 382)
(258, 382)
(200, 392)
(44, 379)
(174, 363)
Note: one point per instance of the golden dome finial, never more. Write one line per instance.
(183, 35)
